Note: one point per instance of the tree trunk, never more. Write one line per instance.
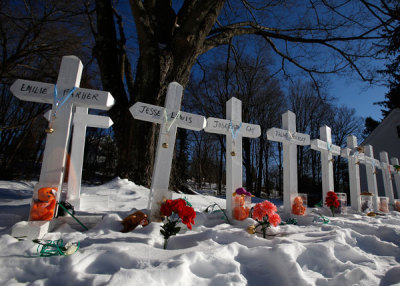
(247, 164)
(260, 167)
(168, 50)
(280, 172)
(267, 189)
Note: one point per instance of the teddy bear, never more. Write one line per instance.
(43, 208)
(133, 220)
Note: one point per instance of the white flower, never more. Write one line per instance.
(70, 248)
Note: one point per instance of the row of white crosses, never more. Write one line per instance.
(290, 139)
(170, 117)
(357, 155)
(65, 97)
(234, 129)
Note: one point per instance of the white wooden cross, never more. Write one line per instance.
(290, 139)
(327, 149)
(169, 117)
(371, 164)
(354, 158)
(81, 120)
(387, 170)
(53, 164)
(234, 130)
(396, 175)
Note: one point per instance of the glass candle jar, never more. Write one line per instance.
(366, 202)
(397, 205)
(299, 204)
(342, 198)
(383, 204)
(241, 206)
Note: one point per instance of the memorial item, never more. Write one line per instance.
(241, 204)
(133, 220)
(44, 206)
(332, 202)
(265, 215)
(383, 204)
(366, 202)
(299, 205)
(290, 139)
(175, 210)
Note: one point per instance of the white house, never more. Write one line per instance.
(385, 137)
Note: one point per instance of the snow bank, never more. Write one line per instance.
(350, 250)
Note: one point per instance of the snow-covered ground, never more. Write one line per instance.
(349, 250)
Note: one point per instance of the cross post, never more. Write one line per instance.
(169, 117)
(327, 149)
(354, 158)
(234, 130)
(387, 171)
(63, 96)
(290, 139)
(371, 164)
(396, 175)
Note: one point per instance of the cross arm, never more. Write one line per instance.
(95, 121)
(28, 90)
(90, 120)
(147, 112)
(284, 136)
(373, 162)
(223, 126)
(320, 145)
(156, 114)
(96, 99)
(189, 120)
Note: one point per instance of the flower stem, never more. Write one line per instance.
(165, 243)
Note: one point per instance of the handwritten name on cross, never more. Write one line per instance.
(354, 157)
(387, 171)
(327, 149)
(81, 120)
(290, 139)
(169, 117)
(53, 165)
(234, 129)
(396, 175)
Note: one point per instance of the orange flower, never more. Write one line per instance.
(274, 219)
(264, 214)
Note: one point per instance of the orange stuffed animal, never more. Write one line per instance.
(43, 208)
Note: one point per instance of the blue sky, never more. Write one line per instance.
(358, 95)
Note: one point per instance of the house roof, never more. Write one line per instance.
(391, 118)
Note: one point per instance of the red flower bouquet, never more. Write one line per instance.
(175, 210)
(332, 201)
(265, 215)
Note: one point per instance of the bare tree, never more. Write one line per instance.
(344, 123)
(34, 35)
(318, 37)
